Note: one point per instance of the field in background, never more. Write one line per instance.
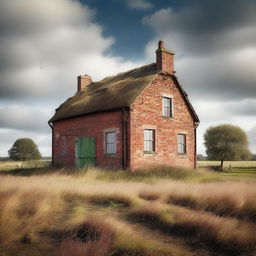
(228, 164)
(8, 165)
(156, 211)
(11, 165)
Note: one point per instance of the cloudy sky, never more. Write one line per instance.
(46, 44)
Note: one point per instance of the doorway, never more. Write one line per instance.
(85, 151)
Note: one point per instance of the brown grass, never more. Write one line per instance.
(93, 237)
(225, 234)
(229, 199)
(56, 210)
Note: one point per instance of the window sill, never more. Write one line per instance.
(182, 155)
(149, 152)
(110, 155)
(168, 117)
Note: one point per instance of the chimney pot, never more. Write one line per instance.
(160, 44)
(164, 59)
(82, 82)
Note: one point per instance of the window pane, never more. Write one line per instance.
(167, 112)
(111, 137)
(167, 102)
(150, 145)
(180, 138)
(146, 135)
(180, 148)
(150, 134)
(114, 148)
(108, 149)
(149, 140)
(167, 106)
(111, 143)
(182, 143)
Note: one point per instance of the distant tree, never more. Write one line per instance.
(24, 149)
(226, 143)
(200, 157)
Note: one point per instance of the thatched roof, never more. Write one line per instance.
(110, 93)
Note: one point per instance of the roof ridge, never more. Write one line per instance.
(125, 72)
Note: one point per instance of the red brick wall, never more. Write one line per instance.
(147, 111)
(66, 131)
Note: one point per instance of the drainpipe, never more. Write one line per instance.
(124, 138)
(195, 160)
(52, 141)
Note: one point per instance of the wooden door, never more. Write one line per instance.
(85, 150)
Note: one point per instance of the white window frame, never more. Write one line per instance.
(165, 107)
(149, 140)
(182, 145)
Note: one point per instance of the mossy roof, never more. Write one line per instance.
(113, 92)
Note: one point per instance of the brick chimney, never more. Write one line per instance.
(164, 59)
(82, 82)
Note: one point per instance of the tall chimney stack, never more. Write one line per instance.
(164, 59)
(83, 82)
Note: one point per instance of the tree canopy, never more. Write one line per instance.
(226, 143)
(24, 149)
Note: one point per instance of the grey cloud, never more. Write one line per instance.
(206, 26)
(244, 108)
(225, 77)
(24, 118)
(139, 4)
(215, 45)
(46, 44)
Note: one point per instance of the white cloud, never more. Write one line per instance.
(139, 4)
(45, 45)
(215, 59)
(22, 117)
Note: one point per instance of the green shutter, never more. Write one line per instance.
(86, 151)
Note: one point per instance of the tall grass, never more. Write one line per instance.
(228, 199)
(92, 237)
(94, 213)
(220, 233)
(143, 174)
(25, 212)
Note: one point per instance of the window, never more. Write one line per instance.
(149, 140)
(181, 144)
(110, 143)
(167, 107)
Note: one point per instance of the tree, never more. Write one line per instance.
(226, 143)
(200, 157)
(24, 149)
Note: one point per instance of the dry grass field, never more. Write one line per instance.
(155, 211)
(228, 164)
(13, 165)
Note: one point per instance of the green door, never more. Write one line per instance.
(85, 151)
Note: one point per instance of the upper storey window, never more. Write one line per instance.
(167, 107)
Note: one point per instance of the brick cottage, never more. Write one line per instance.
(138, 117)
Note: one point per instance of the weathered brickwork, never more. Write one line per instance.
(131, 120)
(66, 131)
(146, 112)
